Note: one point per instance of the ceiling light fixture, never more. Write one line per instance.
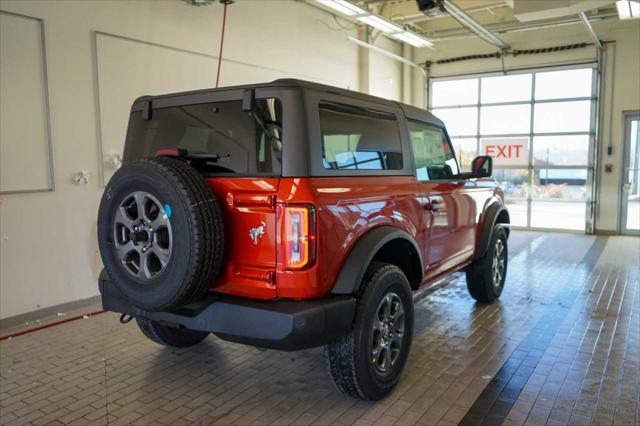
(344, 7)
(353, 11)
(628, 9)
(380, 24)
(413, 39)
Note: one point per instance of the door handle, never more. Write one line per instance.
(434, 204)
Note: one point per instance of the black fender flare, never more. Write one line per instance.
(353, 270)
(490, 217)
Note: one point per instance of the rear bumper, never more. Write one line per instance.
(282, 324)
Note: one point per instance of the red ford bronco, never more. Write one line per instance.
(291, 215)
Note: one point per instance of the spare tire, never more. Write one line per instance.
(160, 233)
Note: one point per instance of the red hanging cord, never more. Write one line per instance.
(224, 25)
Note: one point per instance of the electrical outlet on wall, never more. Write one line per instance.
(81, 178)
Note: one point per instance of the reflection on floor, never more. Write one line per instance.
(562, 346)
(549, 214)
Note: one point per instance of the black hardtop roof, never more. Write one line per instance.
(412, 112)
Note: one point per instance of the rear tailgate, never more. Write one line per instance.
(248, 206)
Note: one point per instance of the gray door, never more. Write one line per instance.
(630, 197)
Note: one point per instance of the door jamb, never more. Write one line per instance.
(622, 212)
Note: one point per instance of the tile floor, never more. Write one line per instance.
(562, 346)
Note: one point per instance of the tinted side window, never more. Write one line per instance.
(359, 139)
(222, 128)
(432, 152)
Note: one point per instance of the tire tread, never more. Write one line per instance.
(479, 284)
(340, 356)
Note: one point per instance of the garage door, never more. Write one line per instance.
(538, 125)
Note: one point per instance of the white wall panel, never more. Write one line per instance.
(24, 127)
(128, 68)
(385, 74)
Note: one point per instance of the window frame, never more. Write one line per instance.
(314, 98)
(531, 167)
(276, 166)
(348, 109)
(199, 98)
(443, 129)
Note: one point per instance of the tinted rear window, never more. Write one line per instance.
(220, 128)
(359, 139)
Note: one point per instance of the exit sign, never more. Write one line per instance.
(506, 151)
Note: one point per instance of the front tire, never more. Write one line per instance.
(368, 363)
(486, 276)
(170, 336)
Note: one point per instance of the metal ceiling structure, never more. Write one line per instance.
(457, 34)
(590, 30)
(444, 20)
(472, 25)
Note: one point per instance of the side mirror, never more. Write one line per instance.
(482, 166)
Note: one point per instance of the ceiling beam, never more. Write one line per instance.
(449, 35)
(474, 26)
(590, 30)
(421, 17)
(535, 10)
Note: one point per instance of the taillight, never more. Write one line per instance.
(300, 238)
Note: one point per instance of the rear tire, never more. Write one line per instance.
(368, 363)
(486, 276)
(170, 336)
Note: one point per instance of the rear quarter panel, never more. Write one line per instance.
(346, 209)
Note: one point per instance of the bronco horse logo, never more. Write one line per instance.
(256, 233)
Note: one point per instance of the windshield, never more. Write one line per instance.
(231, 140)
